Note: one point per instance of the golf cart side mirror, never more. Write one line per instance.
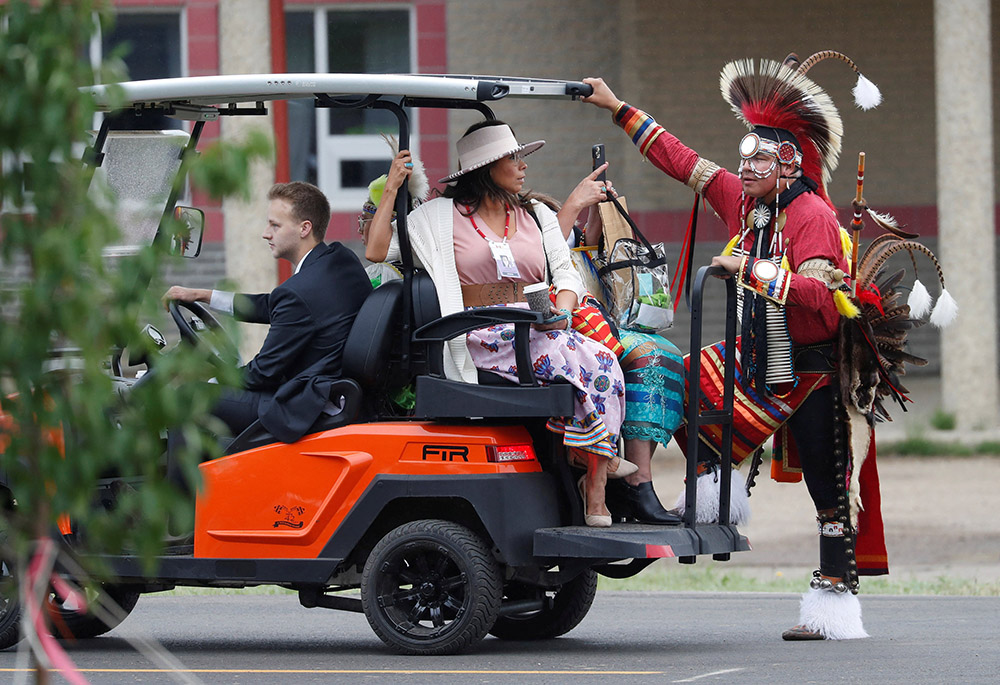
(188, 230)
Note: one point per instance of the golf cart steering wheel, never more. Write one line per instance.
(221, 345)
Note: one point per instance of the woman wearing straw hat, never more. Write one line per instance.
(481, 243)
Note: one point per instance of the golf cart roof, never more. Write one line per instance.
(199, 94)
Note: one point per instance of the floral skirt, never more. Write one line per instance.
(654, 387)
(571, 357)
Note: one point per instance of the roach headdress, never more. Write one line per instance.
(778, 95)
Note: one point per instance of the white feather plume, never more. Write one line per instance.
(945, 311)
(418, 185)
(866, 94)
(919, 300)
(884, 219)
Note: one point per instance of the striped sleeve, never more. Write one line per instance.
(639, 126)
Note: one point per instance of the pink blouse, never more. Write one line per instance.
(474, 260)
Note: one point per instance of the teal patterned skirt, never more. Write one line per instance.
(654, 387)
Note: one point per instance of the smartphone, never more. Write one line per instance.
(555, 317)
(597, 152)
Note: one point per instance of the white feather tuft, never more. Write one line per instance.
(883, 218)
(919, 300)
(835, 616)
(945, 311)
(708, 500)
(866, 94)
(418, 184)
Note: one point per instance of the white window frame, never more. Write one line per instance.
(97, 51)
(332, 150)
(97, 54)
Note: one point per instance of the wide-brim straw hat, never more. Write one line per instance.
(485, 146)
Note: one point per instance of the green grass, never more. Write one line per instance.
(195, 591)
(943, 420)
(711, 577)
(918, 446)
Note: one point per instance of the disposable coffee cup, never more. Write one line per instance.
(537, 296)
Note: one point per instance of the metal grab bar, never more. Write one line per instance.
(724, 417)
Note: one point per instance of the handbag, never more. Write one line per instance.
(636, 279)
(590, 320)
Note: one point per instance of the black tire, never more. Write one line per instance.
(569, 606)
(431, 587)
(10, 606)
(82, 626)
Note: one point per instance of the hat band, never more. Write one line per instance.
(489, 153)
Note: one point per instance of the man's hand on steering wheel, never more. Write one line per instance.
(182, 294)
(213, 336)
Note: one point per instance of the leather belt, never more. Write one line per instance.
(486, 294)
(819, 358)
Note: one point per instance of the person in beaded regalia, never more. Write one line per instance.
(791, 260)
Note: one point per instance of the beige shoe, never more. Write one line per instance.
(620, 468)
(592, 520)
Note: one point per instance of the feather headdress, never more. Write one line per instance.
(780, 95)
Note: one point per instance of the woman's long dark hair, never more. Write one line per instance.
(472, 188)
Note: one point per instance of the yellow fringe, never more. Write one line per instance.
(730, 245)
(847, 245)
(844, 304)
(846, 242)
(784, 263)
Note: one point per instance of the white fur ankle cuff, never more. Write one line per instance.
(835, 616)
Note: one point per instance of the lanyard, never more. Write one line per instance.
(506, 223)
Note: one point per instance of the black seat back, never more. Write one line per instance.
(373, 350)
(368, 345)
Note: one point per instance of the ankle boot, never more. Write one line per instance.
(645, 505)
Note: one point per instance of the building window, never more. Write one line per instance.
(342, 150)
(152, 49)
(152, 45)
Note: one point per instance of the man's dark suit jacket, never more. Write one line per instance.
(310, 315)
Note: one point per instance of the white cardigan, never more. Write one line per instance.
(431, 230)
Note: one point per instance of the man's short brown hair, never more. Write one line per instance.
(307, 202)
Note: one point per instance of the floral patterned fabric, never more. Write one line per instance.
(571, 357)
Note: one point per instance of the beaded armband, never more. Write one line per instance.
(639, 126)
(765, 278)
(702, 173)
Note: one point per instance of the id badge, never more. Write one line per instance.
(506, 267)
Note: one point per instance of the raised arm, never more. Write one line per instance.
(587, 194)
(380, 233)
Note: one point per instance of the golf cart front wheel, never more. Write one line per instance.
(431, 587)
(10, 605)
(81, 622)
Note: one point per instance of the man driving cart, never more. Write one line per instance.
(287, 384)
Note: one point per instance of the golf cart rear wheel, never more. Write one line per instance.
(64, 617)
(431, 587)
(567, 608)
(10, 605)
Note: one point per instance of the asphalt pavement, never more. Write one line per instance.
(628, 637)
